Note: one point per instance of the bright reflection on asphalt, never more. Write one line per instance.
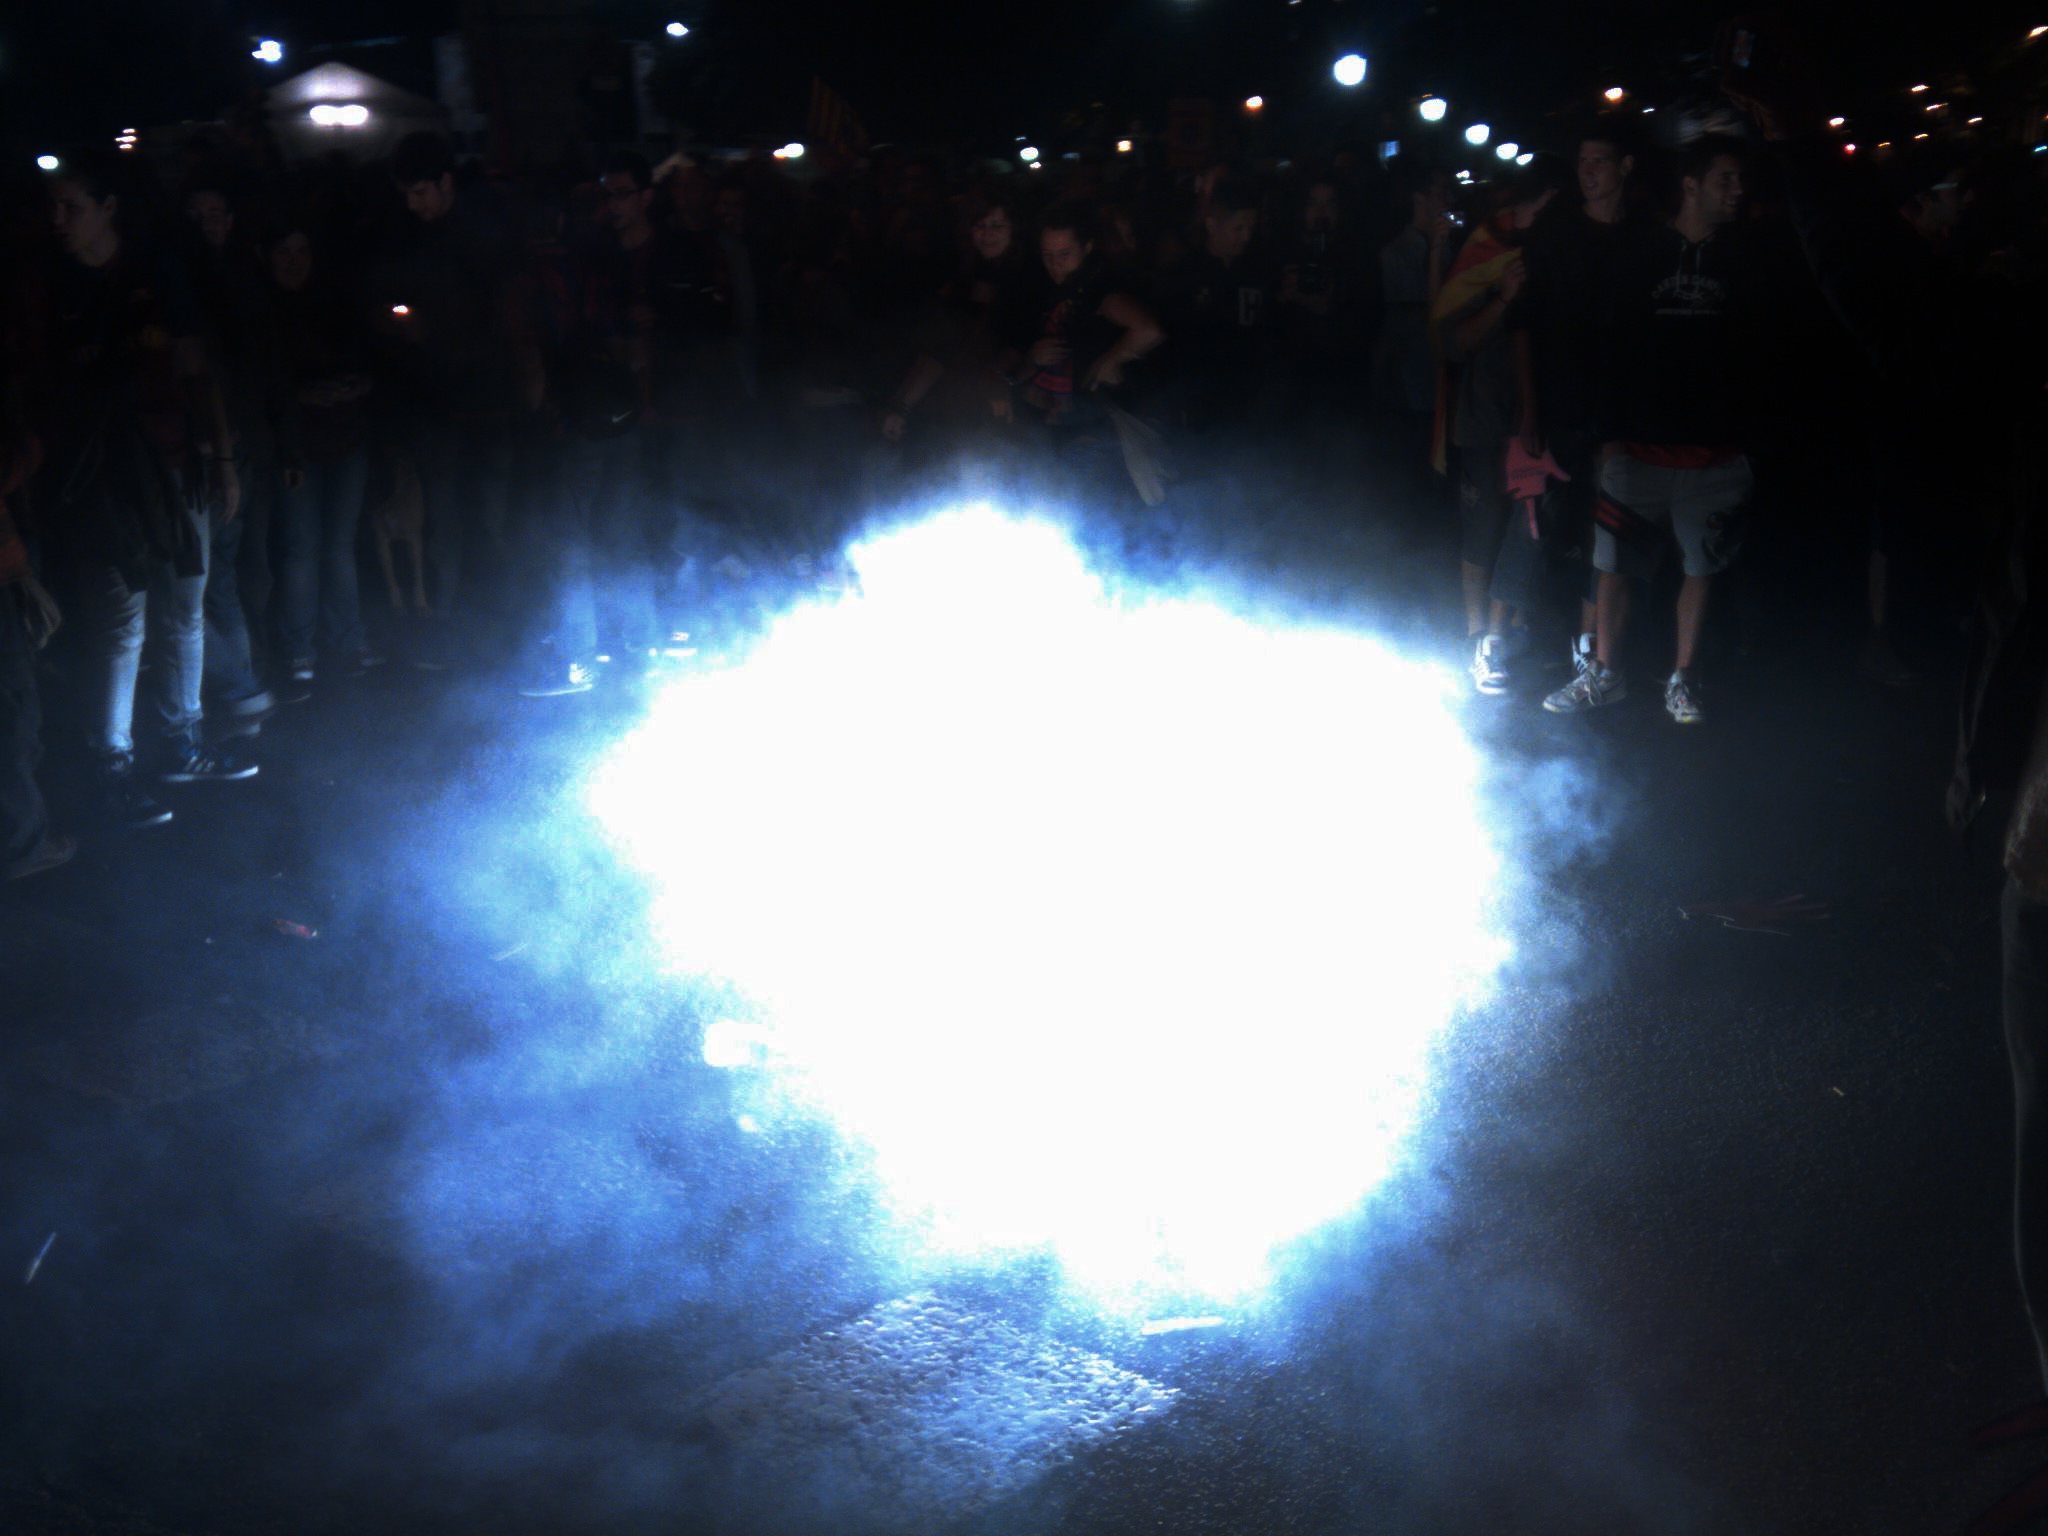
(1121, 926)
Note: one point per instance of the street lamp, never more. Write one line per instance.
(46, 162)
(1614, 93)
(790, 151)
(1349, 70)
(269, 50)
(1255, 103)
(676, 29)
(1028, 154)
(1508, 149)
(1432, 109)
(1478, 134)
(1525, 159)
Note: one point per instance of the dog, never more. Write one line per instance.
(400, 519)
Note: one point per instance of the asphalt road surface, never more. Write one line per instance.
(436, 1222)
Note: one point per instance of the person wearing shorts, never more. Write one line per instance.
(1672, 396)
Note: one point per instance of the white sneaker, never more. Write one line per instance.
(1682, 700)
(1589, 690)
(1488, 669)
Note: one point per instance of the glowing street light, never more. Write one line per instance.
(1916, 89)
(1848, 149)
(676, 29)
(350, 115)
(1525, 159)
(2036, 33)
(1123, 146)
(1837, 122)
(790, 151)
(1614, 93)
(1478, 134)
(1508, 149)
(46, 162)
(1349, 70)
(1432, 109)
(1028, 154)
(268, 50)
(1255, 103)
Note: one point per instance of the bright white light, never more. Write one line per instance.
(269, 50)
(1478, 133)
(1349, 70)
(1123, 927)
(1837, 122)
(790, 151)
(1432, 109)
(1027, 154)
(677, 29)
(1614, 93)
(1525, 159)
(2036, 33)
(1123, 146)
(1465, 177)
(1507, 149)
(1916, 89)
(46, 162)
(1255, 103)
(328, 115)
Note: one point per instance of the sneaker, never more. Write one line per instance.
(118, 800)
(191, 763)
(360, 663)
(1682, 700)
(1489, 674)
(1584, 649)
(47, 854)
(1589, 690)
(557, 681)
(302, 670)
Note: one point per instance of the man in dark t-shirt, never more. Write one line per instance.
(1672, 392)
(1216, 306)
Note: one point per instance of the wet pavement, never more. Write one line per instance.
(436, 1221)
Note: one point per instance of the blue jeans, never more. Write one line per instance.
(228, 664)
(318, 585)
(112, 620)
(593, 546)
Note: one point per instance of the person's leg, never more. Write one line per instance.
(1610, 620)
(619, 534)
(442, 493)
(1482, 523)
(110, 617)
(2024, 923)
(568, 633)
(298, 566)
(338, 485)
(1692, 614)
(177, 603)
(1708, 508)
(24, 820)
(226, 658)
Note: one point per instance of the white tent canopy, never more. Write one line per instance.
(333, 106)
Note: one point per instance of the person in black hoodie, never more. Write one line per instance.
(1674, 383)
(323, 356)
(139, 458)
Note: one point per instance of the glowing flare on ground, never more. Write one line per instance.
(1125, 927)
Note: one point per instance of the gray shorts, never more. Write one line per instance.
(1642, 507)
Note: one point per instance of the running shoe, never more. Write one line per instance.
(1682, 700)
(1591, 689)
(193, 763)
(1488, 669)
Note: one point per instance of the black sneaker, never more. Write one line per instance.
(192, 763)
(119, 801)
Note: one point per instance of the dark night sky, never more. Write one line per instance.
(985, 68)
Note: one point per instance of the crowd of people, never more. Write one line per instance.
(547, 409)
